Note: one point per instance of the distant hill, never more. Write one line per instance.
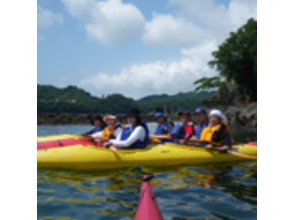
(47, 92)
(72, 99)
(154, 97)
(188, 100)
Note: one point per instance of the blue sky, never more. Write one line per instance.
(133, 47)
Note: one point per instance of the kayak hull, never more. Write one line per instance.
(81, 157)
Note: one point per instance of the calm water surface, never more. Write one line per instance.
(219, 191)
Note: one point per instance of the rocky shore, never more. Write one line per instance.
(233, 101)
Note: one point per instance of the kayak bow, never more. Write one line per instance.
(147, 208)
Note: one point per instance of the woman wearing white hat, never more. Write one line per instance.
(217, 134)
(112, 131)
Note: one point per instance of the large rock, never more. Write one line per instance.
(234, 102)
(232, 113)
(229, 94)
(249, 115)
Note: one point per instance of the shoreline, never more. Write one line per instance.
(243, 116)
(72, 118)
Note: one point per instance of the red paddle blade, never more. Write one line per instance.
(147, 208)
(254, 143)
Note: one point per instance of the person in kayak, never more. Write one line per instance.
(217, 135)
(99, 124)
(184, 130)
(113, 129)
(135, 134)
(202, 120)
(164, 127)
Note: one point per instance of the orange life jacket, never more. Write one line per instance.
(108, 132)
(211, 134)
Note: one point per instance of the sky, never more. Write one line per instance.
(133, 47)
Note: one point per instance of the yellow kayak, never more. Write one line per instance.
(88, 157)
(59, 137)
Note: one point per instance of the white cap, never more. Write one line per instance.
(219, 114)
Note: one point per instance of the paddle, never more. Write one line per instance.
(226, 151)
(155, 140)
(159, 138)
(242, 155)
(193, 139)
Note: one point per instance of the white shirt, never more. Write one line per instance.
(138, 134)
(117, 132)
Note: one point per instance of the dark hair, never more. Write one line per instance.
(138, 121)
(96, 117)
(134, 112)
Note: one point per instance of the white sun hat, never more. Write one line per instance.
(219, 114)
(109, 116)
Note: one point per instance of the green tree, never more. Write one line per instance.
(236, 59)
(208, 83)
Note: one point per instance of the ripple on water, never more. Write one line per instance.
(203, 192)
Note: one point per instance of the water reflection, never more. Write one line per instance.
(226, 191)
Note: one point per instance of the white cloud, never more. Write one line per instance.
(113, 22)
(166, 30)
(197, 29)
(196, 21)
(109, 22)
(47, 18)
(156, 77)
(218, 20)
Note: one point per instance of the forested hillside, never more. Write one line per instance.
(75, 100)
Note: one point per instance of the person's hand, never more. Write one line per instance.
(108, 144)
(113, 148)
(151, 135)
(183, 142)
(208, 146)
(96, 139)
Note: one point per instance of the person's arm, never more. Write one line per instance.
(226, 139)
(162, 136)
(138, 133)
(108, 144)
(189, 129)
(194, 139)
(226, 143)
(97, 134)
(117, 132)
